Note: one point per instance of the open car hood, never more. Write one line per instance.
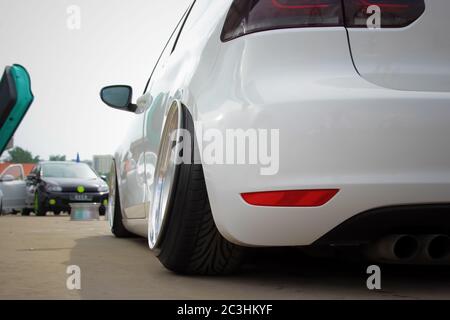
(15, 100)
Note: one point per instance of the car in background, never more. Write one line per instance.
(1, 202)
(15, 100)
(55, 185)
(13, 187)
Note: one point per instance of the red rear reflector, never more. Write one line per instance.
(295, 198)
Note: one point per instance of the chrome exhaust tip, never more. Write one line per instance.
(435, 247)
(394, 248)
(406, 247)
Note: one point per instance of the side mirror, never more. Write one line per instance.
(118, 97)
(104, 178)
(7, 178)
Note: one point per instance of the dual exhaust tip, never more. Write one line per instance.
(413, 249)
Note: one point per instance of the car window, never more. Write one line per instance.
(183, 25)
(168, 48)
(14, 171)
(197, 10)
(73, 171)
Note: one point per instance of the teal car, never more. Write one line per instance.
(16, 98)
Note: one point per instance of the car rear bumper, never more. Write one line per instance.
(379, 147)
(378, 152)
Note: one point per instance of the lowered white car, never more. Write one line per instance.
(313, 123)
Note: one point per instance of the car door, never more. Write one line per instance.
(15, 100)
(13, 186)
(130, 171)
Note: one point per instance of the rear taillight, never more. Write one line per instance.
(250, 16)
(393, 13)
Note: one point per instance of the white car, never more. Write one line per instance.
(13, 187)
(319, 124)
(1, 202)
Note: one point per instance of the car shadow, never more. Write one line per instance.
(125, 269)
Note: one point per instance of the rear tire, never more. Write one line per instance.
(193, 244)
(26, 211)
(190, 242)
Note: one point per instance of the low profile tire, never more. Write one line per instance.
(39, 209)
(115, 212)
(26, 211)
(182, 231)
(57, 213)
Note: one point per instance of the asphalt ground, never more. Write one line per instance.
(36, 252)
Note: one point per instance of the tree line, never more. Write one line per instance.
(19, 155)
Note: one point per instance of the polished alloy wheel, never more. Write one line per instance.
(111, 198)
(165, 176)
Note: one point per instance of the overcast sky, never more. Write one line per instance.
(118, 43)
